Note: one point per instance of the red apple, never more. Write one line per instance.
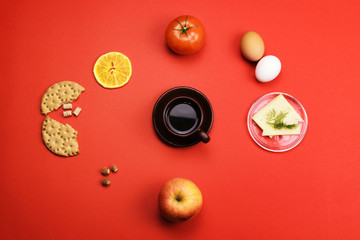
(180, 200)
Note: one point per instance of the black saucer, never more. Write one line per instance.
(159, 126)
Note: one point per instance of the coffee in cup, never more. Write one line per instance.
(183, 116)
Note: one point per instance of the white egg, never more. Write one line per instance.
(267, 69)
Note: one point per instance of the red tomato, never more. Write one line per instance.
(185, 35)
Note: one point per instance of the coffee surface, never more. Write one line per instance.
(182, 118)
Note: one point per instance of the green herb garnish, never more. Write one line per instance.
(277, 120)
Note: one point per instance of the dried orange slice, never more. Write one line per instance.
(112, 70)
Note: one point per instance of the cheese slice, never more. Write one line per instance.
(278, 104)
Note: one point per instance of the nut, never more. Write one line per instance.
(105, 171)
(105, 182)
(114, 168)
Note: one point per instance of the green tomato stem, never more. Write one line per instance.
(183, 29)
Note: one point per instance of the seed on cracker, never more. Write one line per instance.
(59, 94)
(67, 113)
(67, 106)
(77, 111)
(60, 139)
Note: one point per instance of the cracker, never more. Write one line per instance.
(67, 106)
(77, 111)
(67, 114)
(59, 94)
(59, 138)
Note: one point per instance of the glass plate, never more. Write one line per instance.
(280, 143)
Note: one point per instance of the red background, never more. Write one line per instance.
(310, 192)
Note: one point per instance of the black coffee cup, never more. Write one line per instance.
(183, 117)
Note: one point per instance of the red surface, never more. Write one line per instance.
(310, 192)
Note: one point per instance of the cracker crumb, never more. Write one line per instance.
(67, 113)
(77, 111)
(67, 106)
